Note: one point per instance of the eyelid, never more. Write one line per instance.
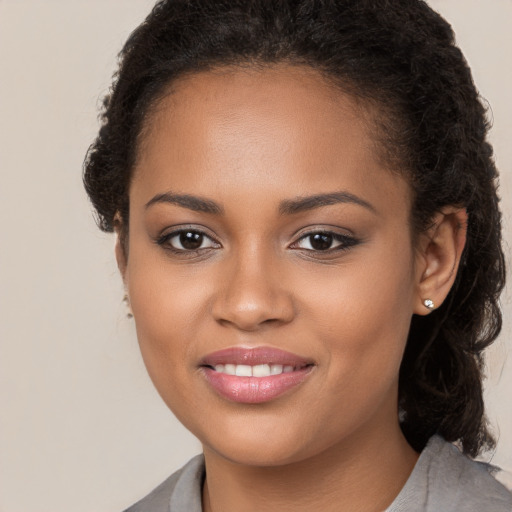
(346, 240)
(168, 234)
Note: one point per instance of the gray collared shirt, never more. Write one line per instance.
(443, 480)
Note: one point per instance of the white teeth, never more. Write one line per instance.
(243, 370)
(259, 370)
(276, 369)
(230, 369)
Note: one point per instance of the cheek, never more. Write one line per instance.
(169, 309)
(364, 310)
(162, 295)
(362, 318)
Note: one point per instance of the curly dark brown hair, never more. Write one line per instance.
(399, 55)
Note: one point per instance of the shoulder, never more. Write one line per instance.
(470, 484)
(183, 487)
(446, 480)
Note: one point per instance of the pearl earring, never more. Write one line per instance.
(429, 304)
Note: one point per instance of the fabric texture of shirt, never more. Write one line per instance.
(443, 480)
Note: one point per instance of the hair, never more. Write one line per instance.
(399, 55)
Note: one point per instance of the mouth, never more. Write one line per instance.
(258, 370)
(255, 375)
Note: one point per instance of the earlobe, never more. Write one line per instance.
(120, 251)
(439, 253)
(120, 257)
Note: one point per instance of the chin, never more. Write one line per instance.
(257, 454)
(271, 441)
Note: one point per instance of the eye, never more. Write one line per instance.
(324, 241)
(187, 240)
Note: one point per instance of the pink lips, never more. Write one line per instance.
(254, 390)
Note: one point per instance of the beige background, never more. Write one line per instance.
(81, 428)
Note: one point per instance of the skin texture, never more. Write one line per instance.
(250, 140)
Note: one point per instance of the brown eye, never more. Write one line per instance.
(186, 240)
(321, 241)
(324, 241)
(191, 240)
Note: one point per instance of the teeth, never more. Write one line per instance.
(276, 369)
(259, 370)
(243, 370)
(230, 369)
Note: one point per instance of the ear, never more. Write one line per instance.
(120, 249)
(438, 256)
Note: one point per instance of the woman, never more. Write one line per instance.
(308, 232)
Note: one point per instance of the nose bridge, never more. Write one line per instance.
(252, 293)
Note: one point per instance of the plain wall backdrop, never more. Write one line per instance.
(81, 427)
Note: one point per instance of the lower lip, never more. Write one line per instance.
(254, 390)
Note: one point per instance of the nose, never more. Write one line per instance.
(252, 295)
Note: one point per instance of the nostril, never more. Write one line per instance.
(251, 298)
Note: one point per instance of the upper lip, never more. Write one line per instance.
(255, 356)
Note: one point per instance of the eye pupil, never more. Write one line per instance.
(321, 241)
(191, 240)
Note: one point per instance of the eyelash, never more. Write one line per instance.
(345, 242)
(164, 241)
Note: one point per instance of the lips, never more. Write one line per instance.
(254, 375)
(254, 356)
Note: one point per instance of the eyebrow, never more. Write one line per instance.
(194, 203)
(286, 207)
(302, 204)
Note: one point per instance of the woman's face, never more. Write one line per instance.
(267, 240)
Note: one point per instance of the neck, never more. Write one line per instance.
(362, 472)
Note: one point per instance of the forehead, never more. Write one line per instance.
(281, 128)
(291, 100)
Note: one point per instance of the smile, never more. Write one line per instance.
(256, 375)
(259, 370)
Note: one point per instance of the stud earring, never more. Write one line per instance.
(126, 300)
(429, 304)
